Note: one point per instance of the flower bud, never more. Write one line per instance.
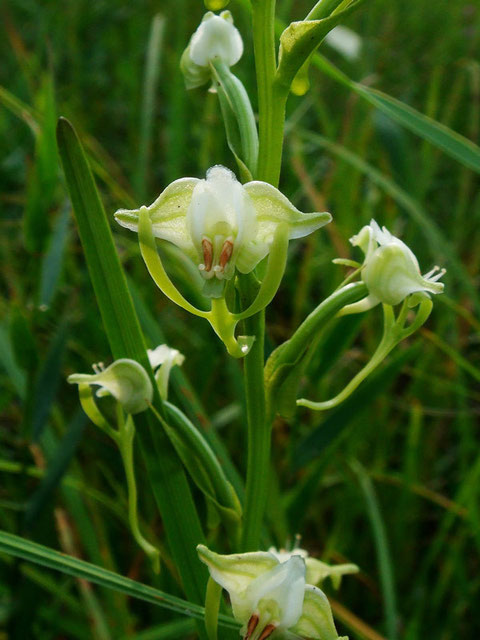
(215, 38)
(125, 379)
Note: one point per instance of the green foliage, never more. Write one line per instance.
(408, 516)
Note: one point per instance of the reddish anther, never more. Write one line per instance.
(207, 254)
(226, 254)
(267, 632)
(252, 625)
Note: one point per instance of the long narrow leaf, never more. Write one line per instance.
(21, 548)
(165, 471)
(449, 141)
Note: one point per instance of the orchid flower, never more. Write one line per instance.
(391, 270)
(270, 598)
(216, 38)
(126, 380)
(392, 275)
(162, 359)
(221, 224)
(224, 227)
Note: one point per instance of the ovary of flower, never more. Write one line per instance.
(126, 380)
(221, 224)
(271, 598)
(391, 270)
(216, 38)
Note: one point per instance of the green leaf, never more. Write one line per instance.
(57, 467)
(52, 263)
(288, 356)
(202, 465)
(9, 363)
(384, 557)
(18, 547)
(47, 382)
(150, 86)
(300, 39)
(22, 341)
(43, 178)
(168, 481)
(452, 143)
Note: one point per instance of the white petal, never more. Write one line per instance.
(284, 585)
(162, 353)
(392, 273)
(216, 37)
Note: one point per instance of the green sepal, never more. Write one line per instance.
(316, 621)
(90, 408)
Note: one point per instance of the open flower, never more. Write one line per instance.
(220, 223)
(126, 380)
(270, 598)
(215, 38)
(391, 270)
(162, 359)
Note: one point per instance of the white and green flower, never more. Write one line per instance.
(270, 598)
(390, 269)
(126, 380)
(162, 359)
(216, 38)
(221, 224)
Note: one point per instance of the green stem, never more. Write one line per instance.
(271, 109)
(258, 457)
(125, 437)
(323, 9)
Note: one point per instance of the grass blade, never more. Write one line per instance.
(61, 460)
(53, 260)
(152, 69)
(383, 553)
(121, 324)
(20, 548)
(449, 141)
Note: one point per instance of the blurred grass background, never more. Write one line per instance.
(391, 479)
